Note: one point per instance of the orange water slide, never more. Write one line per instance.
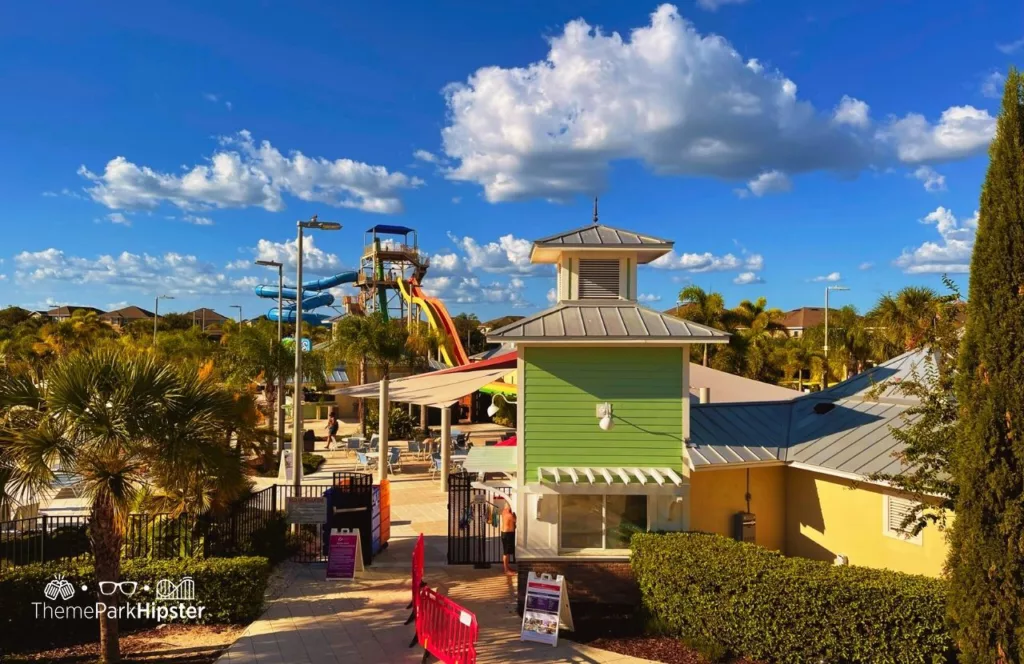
(439, 318)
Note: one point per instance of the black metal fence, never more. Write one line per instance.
(474, 523)
(242, 531)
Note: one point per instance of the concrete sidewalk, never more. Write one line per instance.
(315, 621)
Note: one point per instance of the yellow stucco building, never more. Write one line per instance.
(800, 468)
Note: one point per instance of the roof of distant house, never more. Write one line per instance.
(203, 313)
(129, 313)
(68, 310)
(804, 317)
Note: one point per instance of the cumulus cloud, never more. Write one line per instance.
(950, 255)
(933, 181)
(866, 265)
(830, 277)
(679, 102)
(470, 290)
(509, 254)
(170, 273)
(1011, 47)
(708, 262)
(648, 298)
(770, 182)
(992, 85)
(314, 259)
(552, 296)
(962, 131)
(747, 278)
(243, 174)
(119, 219)
(424, 155)
(198, 220)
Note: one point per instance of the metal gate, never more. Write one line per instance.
(350, 505)
(308, 536)
(474, 523)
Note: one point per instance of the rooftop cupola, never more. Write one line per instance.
(598, 262)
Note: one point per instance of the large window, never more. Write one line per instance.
(601, 522)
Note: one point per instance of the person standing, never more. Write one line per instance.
(508, 536)
(332, 429)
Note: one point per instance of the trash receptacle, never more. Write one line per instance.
(308, 441)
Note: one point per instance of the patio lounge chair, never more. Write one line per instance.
(362, 463)
(415, 449)
(354, 444)
(394, 459)
(435, 464)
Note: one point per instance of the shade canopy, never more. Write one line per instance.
(439, 389)
(490, 459)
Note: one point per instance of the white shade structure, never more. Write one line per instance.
(438, 389)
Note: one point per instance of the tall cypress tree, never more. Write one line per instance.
(986, 562)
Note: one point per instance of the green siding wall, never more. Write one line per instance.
(563, 387)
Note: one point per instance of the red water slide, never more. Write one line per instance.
(440, 314)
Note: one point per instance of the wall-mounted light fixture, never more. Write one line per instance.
(604, 416)
(492, 410)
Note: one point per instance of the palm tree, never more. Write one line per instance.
(370, 340)
(702, 307)
(82, 330)
(796, 357)
(905, 319)
(121, 424)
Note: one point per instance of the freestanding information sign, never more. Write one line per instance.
(286, 470)
(546, 607)
(344, 554)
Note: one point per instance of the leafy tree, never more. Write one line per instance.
(467, 326)
(11, 317)
(704, 308)
(759, 330)
(174, 321)
(904, 320)
(986, 562)
(119, 424)
(373, 340)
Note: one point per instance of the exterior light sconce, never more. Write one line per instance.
(492, 410)
(604, 416)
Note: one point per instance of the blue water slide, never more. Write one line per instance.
(312, 297)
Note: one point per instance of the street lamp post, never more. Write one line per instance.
(828, 289)
(297, 397)
(280, 330)
(239, 307)
(156, 312)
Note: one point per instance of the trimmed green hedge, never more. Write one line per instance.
(763, 605)
(231, 589)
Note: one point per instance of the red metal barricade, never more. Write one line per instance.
(445, 629)
(417, 576)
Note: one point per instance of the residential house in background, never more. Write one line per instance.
(67, 311)
(119, 318)
(206, 318)
(798, 321)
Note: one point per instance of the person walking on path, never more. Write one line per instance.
(508, 536)
(332, 429)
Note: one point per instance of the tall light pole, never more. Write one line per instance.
(280, 331)
(828, 289)
(156, 312)
(239, 307)
(297, 397)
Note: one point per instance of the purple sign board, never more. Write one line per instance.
(343, 555)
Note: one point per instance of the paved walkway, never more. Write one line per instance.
(312, 620)
(326, 622)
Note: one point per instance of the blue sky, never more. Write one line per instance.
(161, 147)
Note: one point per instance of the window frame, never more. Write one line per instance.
(900, 535)
(603, 550)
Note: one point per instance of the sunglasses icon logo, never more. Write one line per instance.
(127, 588)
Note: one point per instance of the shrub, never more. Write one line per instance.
(709, 589)
(400, 424)
(231, 589)
(311, 463)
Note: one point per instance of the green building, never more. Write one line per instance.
(603, 406)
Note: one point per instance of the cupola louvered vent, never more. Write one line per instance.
(599, 279)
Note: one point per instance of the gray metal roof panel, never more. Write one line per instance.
(737, 433)
(620, 320)
(600, 235)
(900, 368)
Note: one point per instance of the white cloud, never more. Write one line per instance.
(853, 112)
(713, 5)
(3, 277)
(456, 199)
(770, 182)
(992, 85)
(242, 264)
(469, 290)
(170, 273)
(243, 174)
(648, 298)
(962, 131)
(1011, 47)
(215, 99)
(119, 219)
(831, 277)
(679, 102)
(445, 264)
(747, 278)
(552, 296)
(866, 265)
(314, 259)
(424, 155)
(952, 254)
(508, 254)
(198, 220)
(112, 306)
(708, 262)
(933, 181)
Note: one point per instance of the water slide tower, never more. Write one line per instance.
(390, 253)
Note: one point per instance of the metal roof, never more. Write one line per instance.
(723, 434)
(599, 235)
(730, 388)
(605, 320)
(898, 369)
(389, 229)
